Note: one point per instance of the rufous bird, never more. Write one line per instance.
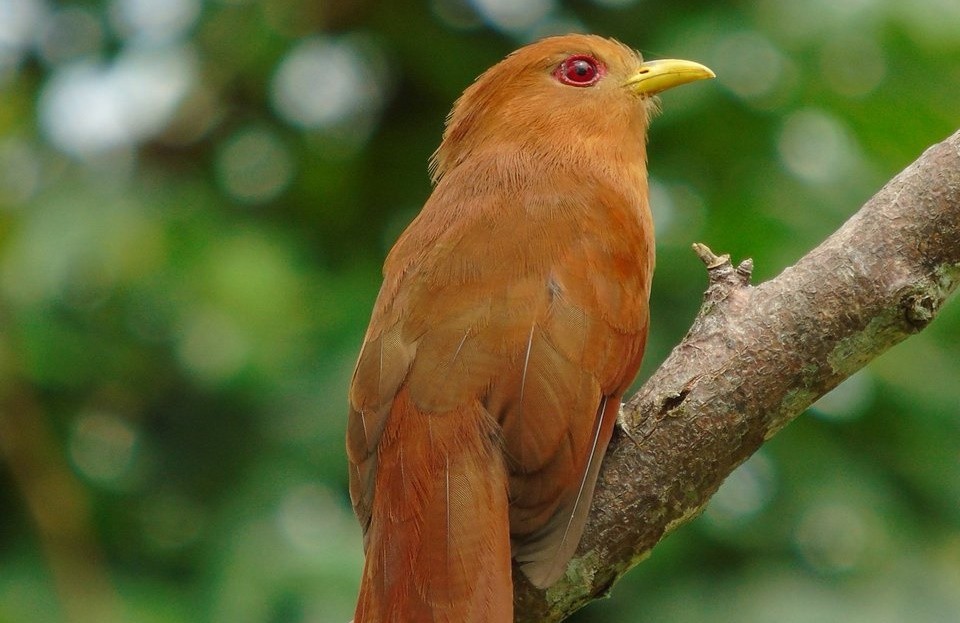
(512, 318)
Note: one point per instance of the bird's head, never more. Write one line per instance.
(556, 96)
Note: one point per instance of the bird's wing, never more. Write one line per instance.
(582, 351)
(428, 478)
(383, 363)
(423, 313)
(543, 325)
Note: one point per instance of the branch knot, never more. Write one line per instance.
(720, 270)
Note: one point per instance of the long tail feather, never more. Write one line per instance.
(438, 549)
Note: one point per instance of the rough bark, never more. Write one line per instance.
(754, 359)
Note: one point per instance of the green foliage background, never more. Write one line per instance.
(195, 199)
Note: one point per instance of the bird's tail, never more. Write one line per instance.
(438, 544)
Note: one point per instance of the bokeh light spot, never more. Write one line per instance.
(678, 212)
(457, 13)
(554, 24)
(513, 16)
(833, 537)
(751, 66)
(661, 205)
(931, 23)
(852, 65)
(745, 492)
(154, 20)
(102, 447)
(814, 19)
(212, 346)
(254, 165)
(847, 401)
(336, 86)
(816, 147)
(325, 82)
(86, 108)
(75, 248)
(18, 22)
(308, 515)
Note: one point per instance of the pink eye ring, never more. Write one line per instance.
(580, 70)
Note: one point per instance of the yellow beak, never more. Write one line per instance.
(653, 77)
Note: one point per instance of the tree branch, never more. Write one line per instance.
(754, 359)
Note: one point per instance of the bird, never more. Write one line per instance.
(511, 319)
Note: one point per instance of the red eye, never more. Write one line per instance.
(579, 71)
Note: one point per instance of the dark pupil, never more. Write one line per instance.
(581, 68)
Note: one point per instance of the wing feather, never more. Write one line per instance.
(545, 332)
